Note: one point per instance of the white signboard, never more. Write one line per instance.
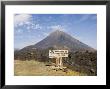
(58, 53)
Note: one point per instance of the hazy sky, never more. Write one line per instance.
(31, 28)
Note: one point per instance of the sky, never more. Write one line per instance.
(32, 28)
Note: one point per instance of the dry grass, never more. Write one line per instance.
(35, 68)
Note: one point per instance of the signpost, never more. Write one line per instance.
(58, 54)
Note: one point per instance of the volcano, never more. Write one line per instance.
(61, 40)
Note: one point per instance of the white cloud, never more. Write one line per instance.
(45, 34)
(26, 21)
(28, 28)
(37, 26)
(21, 19)
(20, 24)
(18, 31)
(86, 17)
(39, 35)
(56, 27)
(83, 18)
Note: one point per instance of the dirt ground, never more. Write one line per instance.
(35, 68)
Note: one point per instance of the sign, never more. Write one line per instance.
(58, 53)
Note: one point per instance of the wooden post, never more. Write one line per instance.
(57, 61)
(61, 63)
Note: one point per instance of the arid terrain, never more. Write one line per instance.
(35, 68)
